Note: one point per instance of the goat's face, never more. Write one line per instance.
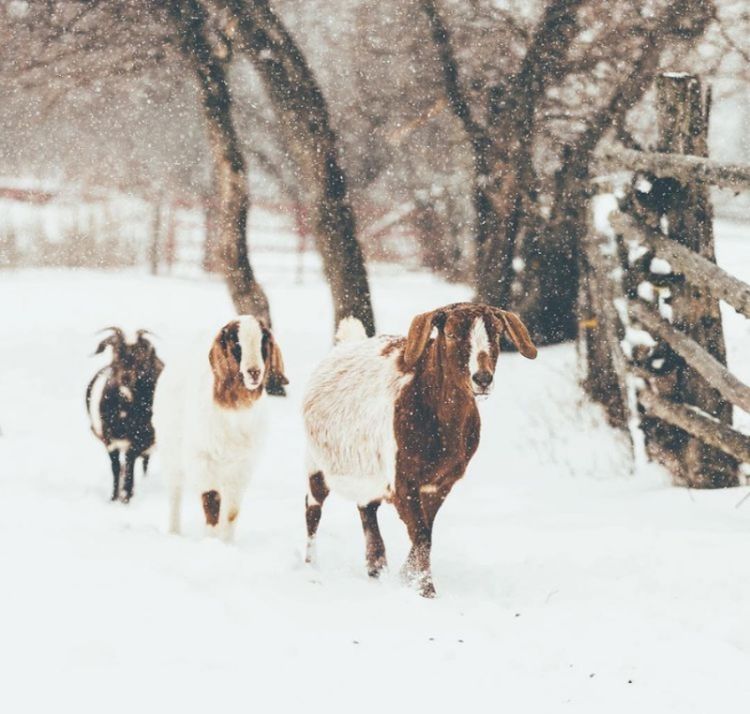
(132, 359)
(467, 342)
(245, 348)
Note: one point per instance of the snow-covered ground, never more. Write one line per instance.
(565, 583)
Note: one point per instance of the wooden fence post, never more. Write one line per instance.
(683, 129)
(154, 248)
(599, 327)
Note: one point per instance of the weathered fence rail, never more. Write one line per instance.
(684, 391)
(697, 270)
(711, 369)
(685, 169)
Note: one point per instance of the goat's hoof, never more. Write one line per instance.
(375, 570)
(126, 499)
(427, 590)
(421, 582)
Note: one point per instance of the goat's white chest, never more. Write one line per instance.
(233, 434)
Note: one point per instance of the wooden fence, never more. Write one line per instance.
(671, 388)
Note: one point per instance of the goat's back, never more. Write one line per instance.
(349, 408)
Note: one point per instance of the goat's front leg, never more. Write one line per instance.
(417, 503)
(130, 457)
(114, 460)
(230, 511)
(175, 502)
(416, 570)
(211, 501)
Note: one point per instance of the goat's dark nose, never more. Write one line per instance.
(483, 378)
(253, 373)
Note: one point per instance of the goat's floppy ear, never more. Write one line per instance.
(111, 341)
(103, 345)
(115, 340)
(276, 379)
(217, 356)
(517, 333)
(419, 334)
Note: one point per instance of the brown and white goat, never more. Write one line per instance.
(119, 401)
(394, 419)
(210, 420)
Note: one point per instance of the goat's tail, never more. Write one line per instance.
(350, 330)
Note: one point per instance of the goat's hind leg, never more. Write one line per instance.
(374, 546)
(114, 460)
(317, 492)
(130, 457)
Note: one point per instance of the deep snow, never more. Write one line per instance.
(565, 583)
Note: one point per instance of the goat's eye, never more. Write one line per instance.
(237, 352)
(450, 335)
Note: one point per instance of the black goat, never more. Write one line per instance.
(119, 401)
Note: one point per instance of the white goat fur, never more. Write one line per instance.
(348, 411)
(203, 446)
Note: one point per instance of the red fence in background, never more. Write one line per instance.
(179, 232)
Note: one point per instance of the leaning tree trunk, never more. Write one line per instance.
(301, 109)
(551, 256)
(228, 164)
(504, 183)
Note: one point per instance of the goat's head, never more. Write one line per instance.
(467, 342)
(131, 359)
(245, 351)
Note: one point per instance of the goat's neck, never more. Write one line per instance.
(448, 398)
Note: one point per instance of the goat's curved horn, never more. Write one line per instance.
(116, 339)
(116, 330)
(145, 333)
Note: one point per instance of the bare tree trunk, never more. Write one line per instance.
(498, 196)
(551, 257)
(302, 111)
(229, 171)
(504, 179)
(437, 248)
(512, 182)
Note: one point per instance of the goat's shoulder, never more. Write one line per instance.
(363, 370)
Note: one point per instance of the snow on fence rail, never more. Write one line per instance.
(660, 359)
(684, 168)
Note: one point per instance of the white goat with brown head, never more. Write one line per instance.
(210, 421)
